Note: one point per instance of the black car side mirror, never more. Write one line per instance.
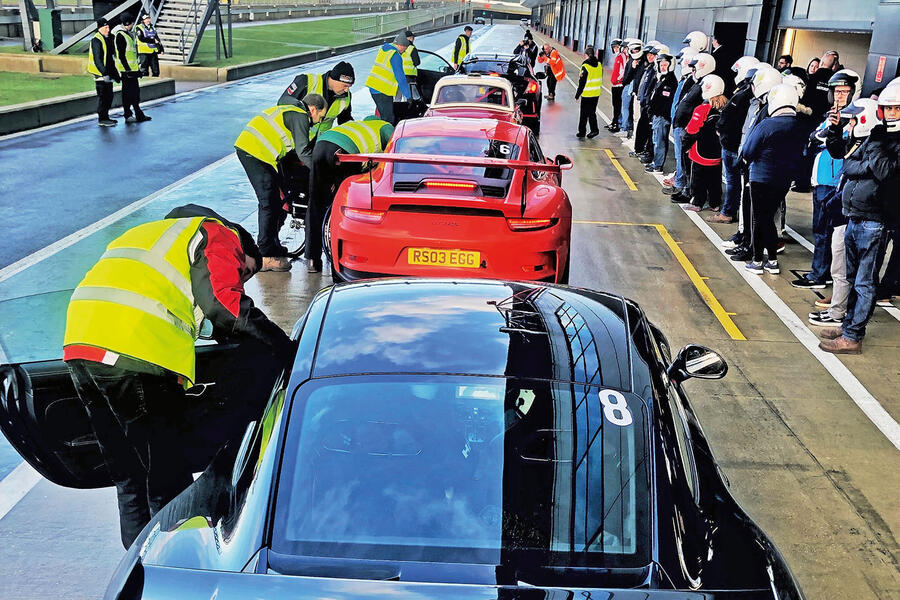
(562, 159)
(697, 361)
(541, 75)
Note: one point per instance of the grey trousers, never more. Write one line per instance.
(840, 290)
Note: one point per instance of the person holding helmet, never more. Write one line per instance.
(697, 40)
(772, 149)
(705, 150)
(863, 116)
(630, 78)
(659, 108)
(701, 65)
(590, 83)
(729, 129)
(618, 71)
(871, 186)
(685, 83)
(643, 140)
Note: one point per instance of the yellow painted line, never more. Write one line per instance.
(621, 171)
(721, 314)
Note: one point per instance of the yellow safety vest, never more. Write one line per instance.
(91, 66)
(137, 300)
(382, 79)
(144, 47)
(266, 137)
(130, 50)
(463, 49)
(315, 85)
(408, 67)
(365, 135)
(594, 83)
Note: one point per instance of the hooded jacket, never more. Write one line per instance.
(773, 148)
(872, 188)
(690, 99)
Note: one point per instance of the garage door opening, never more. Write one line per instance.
(804, 45)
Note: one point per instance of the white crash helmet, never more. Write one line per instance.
(795, 81)
(889, 96)
(765, 79)
(697, 40)
(636, 49)
(703, 64)
(684, 56)
(865, 111)
(783, 95)
(662, 48)
(711, 86)
(742, 65)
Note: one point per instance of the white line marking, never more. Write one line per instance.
(16, 485)
(799, 238)
(48, 251)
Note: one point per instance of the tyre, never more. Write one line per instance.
(564, 278)
(534, 123)
(326, 245)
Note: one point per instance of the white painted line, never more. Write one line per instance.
(842, 375)
(48, 251)
(14, 486)
(799, 238)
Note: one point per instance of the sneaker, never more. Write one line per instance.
(613, 128)
(131, 119)
(780, 248)
(651, 169)
(808, 284)
(633, 154)
(737, 249)
(720, 218)
(743, 256)
(885, 302)
(107, 122)
(679, 198)
(646, 158)
(275, 263)
(143, 118)
(623, 134)
(755, 267)
(771, 267)
(579, 135)
(823, 319)
(593, 134)
(691, 207)
(668, 190)
(824, 302)
(733, 242)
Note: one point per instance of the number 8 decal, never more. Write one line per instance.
(615, 408)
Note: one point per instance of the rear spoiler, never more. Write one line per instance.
(456, 161)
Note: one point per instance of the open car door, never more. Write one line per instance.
(44, 420)
(431, 69)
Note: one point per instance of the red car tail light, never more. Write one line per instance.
(363, 215)
(532, 87)
(517, 224)
(450, 185)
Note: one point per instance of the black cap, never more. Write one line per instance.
(343, 72)
(409, 34)
(101, 22)
(468, 28)
(126, 19)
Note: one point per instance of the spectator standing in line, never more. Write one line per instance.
(102, 66)
(701, 65)
(643, 140)
(724, 60)
(863, 115)
(130, 71)
(618, 71)
(686, 81)
(772, 149)
(149, 47)
(825, 177)
(706, 151)
(630, 80)
(660, 108)
(729, 129)
(869, 199)
(785, 61)
(590, 84)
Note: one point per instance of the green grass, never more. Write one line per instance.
(16, 88)
(270, 41)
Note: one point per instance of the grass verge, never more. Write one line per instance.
(16, 88)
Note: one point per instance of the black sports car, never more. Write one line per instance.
(439, 439)
(516, 68)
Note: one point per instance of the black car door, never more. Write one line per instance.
(431, 69)
(43, 419)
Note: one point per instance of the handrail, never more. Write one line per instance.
(192, 15)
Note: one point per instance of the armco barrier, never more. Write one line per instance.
(29, 115)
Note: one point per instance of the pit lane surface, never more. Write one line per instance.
(813, 470)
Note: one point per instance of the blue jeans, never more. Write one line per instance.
(625, 123)
(822, 230)
(680, 178)
(660, 140)
(732, 169)
(863, 241)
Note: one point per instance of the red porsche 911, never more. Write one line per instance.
(454, 197)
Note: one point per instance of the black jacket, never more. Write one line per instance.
(660, 104)
(731, 121)
(723, 68)
(690, 99)
(648, 82)
(105, 64)
(816, 94)
(632, 72)
(297, 91)
(871, 189)
(582, 78)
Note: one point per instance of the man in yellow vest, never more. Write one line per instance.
(387, 80)
(333, 85)
(131, 325)
(275, 135)
(149, 46)
(129, 69)
(462, 46)
(590, 83)
(102, 66)
(356, 137)
(411, 60)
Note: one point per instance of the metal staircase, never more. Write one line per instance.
(180, 24)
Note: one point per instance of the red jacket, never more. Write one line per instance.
(618, 70)
(706, 150)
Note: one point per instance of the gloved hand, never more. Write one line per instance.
(107, 79)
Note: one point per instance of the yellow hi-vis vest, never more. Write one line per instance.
(594, 83)
(463, 49)
(130, 50)
(315, 84)
(266, 137)
(408, 67)
(382, 79)
(364, 135)
(137, 300)
(144, 47)
(91, 67)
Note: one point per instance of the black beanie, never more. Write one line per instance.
(101, 22)
(126, 19)
(343, 72)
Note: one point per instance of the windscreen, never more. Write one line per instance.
(469, 470)
(455, 146)
(473, 93)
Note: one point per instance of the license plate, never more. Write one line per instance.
(433, 257)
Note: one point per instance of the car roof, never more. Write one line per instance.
(474, 78)
(486, 80)
(475, 327)
(488, 129)
(489, 56)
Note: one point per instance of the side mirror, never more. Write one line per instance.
(697, 361)
(541, 75)
(564, 162)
